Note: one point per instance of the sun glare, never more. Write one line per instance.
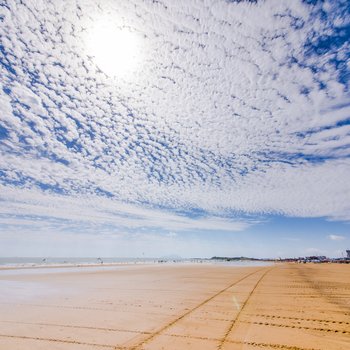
(116, 51)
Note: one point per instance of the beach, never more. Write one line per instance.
(176, 306)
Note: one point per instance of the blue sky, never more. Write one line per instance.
(140, 128)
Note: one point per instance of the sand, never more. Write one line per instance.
(286, 306)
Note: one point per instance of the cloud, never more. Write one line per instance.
(172, 234)
(43, 212)
(335, 237)
(238, 108)
(313, 251)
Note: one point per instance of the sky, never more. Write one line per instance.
(192, 128)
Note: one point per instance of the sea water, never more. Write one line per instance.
(70, 261)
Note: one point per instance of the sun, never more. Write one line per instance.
(115, 50)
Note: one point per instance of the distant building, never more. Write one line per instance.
(348, 254)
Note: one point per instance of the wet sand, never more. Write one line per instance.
(286, 306)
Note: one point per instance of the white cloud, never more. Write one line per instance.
(228, 113)
(335, 237)
(314, 251)
(35, 209)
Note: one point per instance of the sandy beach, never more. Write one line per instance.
(204, 307)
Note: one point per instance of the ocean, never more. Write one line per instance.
(70, 261)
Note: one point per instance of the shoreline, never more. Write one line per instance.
(208, 262)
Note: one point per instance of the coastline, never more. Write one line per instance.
(126, 262)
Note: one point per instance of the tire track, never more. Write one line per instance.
(104, 329)
(297, 327)
(64, 341)
(295, 311)
(90, 308)
(299, 319)
(234, 322)
(77, 307)
(269, 345)
(320, 287)
(75, 342)
(164, 328)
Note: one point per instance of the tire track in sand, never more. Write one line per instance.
(173, 322)
(64, 341)
(234, 322)
(343, 331)
(300, 319)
